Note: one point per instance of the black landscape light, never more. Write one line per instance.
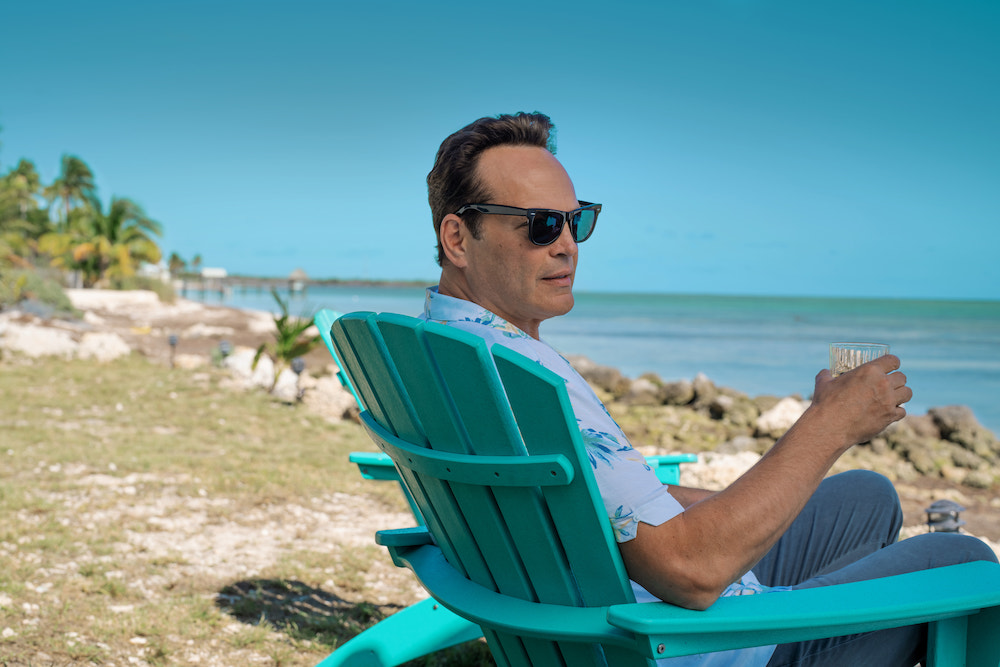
(172, 340)
(225, 348)
(298, 365)
(942, 517)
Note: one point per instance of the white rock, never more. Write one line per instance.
(780, 418)
(102, 346)
(240, 362)
(717, 471)
(93, 319)
(329, 398)
(287, 386)
(100, 299)
(36, 341)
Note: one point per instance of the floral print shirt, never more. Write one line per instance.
(630, 489)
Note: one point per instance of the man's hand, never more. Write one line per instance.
(862, 402)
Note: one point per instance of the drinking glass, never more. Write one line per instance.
(845, 356)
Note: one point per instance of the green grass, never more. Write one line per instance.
(153, 514)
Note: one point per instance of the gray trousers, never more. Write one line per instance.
(847, 532)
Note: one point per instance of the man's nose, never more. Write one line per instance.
(564, 245)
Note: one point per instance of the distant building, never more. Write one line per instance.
(159, 271)
(212, 273)
(297, 280)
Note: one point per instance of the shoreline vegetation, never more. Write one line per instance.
(158, 505)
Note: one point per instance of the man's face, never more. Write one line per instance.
(519, 281)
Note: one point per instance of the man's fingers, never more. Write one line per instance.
(888, 363)
(904, 394)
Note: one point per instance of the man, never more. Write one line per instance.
(508, 225)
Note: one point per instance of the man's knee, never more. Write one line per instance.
(865, 486)
(959, 548)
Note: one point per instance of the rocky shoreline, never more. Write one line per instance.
(944, 453)
(947, 442)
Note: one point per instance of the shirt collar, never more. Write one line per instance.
(442, 308)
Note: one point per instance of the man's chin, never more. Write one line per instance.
(563, 304)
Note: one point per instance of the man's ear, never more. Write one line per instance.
(454, 235)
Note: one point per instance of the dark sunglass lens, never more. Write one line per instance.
(583, 224)
(544, 227)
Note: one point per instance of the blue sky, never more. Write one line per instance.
(744, 147)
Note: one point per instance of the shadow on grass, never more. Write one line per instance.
(303, 612)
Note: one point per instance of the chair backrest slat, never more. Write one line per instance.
(542, 410)
(324, 320)
(410, 355)
(373, 374)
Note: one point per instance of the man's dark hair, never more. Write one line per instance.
(454, 180)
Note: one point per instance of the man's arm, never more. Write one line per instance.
(688, 496)
(691, 559)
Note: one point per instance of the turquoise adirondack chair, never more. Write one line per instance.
(517, 541)
(434, 625)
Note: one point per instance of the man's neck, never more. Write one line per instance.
(453, 284)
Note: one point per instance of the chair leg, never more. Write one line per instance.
(417, 630)
(984, 640)
(946, 641)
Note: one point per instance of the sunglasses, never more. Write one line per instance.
(544, 224)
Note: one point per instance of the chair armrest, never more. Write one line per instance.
(404, 537)
(667, 466)
(671, 459)
(829, 611)
(374, 465)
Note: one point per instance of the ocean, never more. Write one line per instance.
(950, 350)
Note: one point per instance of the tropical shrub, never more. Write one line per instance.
(290, 341)
(20, 285)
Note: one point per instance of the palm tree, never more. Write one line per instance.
(105, 247)
(74, 184)
(19, 191)
(21, 219)
(122, 239)
(177, 264)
